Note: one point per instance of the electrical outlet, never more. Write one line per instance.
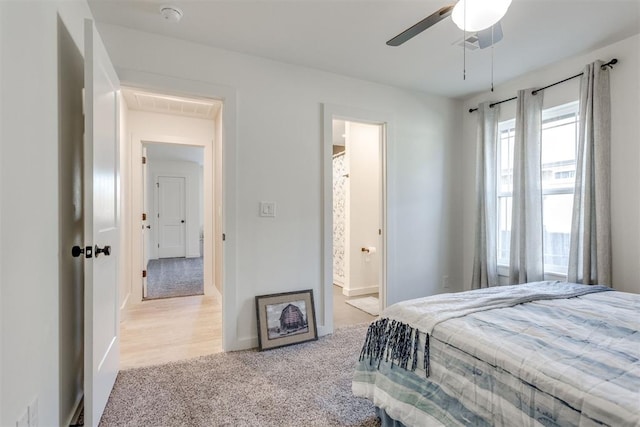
(24, 420)
(445, 282)
(33, 413)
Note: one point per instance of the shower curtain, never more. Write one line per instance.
(339, 196)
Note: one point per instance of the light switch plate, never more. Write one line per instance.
(268, 209)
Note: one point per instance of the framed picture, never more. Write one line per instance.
(285, 319)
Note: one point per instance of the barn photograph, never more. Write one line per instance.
(289, 318)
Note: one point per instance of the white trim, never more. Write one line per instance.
(330, 112)
(226, 94)
(125, 301)
(136, 206)
(246, 343)
(503, 271)
(360, 291)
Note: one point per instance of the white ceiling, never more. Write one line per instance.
(167, 104)
(348, 36)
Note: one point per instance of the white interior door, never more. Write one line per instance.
(101, 210)
(171, 217)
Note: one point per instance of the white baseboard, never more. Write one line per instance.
(211, 290)
(244, 344)
(324, 330)
(125, 302)
(360, 291)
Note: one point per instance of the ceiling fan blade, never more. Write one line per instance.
(485, 39)
(427, 22)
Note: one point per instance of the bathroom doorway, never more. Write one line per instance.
(357, 219)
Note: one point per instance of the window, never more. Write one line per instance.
(559, 138)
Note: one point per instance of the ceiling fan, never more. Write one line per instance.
(479, 16)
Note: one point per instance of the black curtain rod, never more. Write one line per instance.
(609, 64)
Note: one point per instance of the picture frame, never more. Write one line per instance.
(286, 318)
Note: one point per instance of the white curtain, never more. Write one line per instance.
(526, 262)
(485, 264)
(339, 224)
(590, 250)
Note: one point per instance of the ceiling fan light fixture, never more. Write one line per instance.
(480, 14)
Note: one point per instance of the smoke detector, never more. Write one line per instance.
(171, 13)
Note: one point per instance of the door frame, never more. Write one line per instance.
(331, 112)
(225, 181)
(138, 141)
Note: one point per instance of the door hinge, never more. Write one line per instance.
(158, 245)
(144, 160)
(144, 273)
(379, 231)
(224, 237)
(144, 216)
(158, 184)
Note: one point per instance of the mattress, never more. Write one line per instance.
(539, 354)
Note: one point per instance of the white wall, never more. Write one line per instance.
(278, 147)
(363, 211)
(158, 124)
(29, 166)
(625, 151)
(193, 208)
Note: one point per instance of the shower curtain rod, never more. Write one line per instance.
(609, 64)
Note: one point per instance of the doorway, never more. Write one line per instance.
(175, 212)
(357, 215)
(173, 228)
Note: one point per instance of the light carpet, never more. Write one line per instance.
(174, 277)
(369, 305)
(307, 384)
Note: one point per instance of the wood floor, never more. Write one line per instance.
(166, 330)
(345, 314)
(172, 329)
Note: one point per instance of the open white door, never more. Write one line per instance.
(101, 212)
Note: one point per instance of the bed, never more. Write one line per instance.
(537, 354)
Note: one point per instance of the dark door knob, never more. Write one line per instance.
(149, 227)
(106, 250)
(76, 251)
(182, 221)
